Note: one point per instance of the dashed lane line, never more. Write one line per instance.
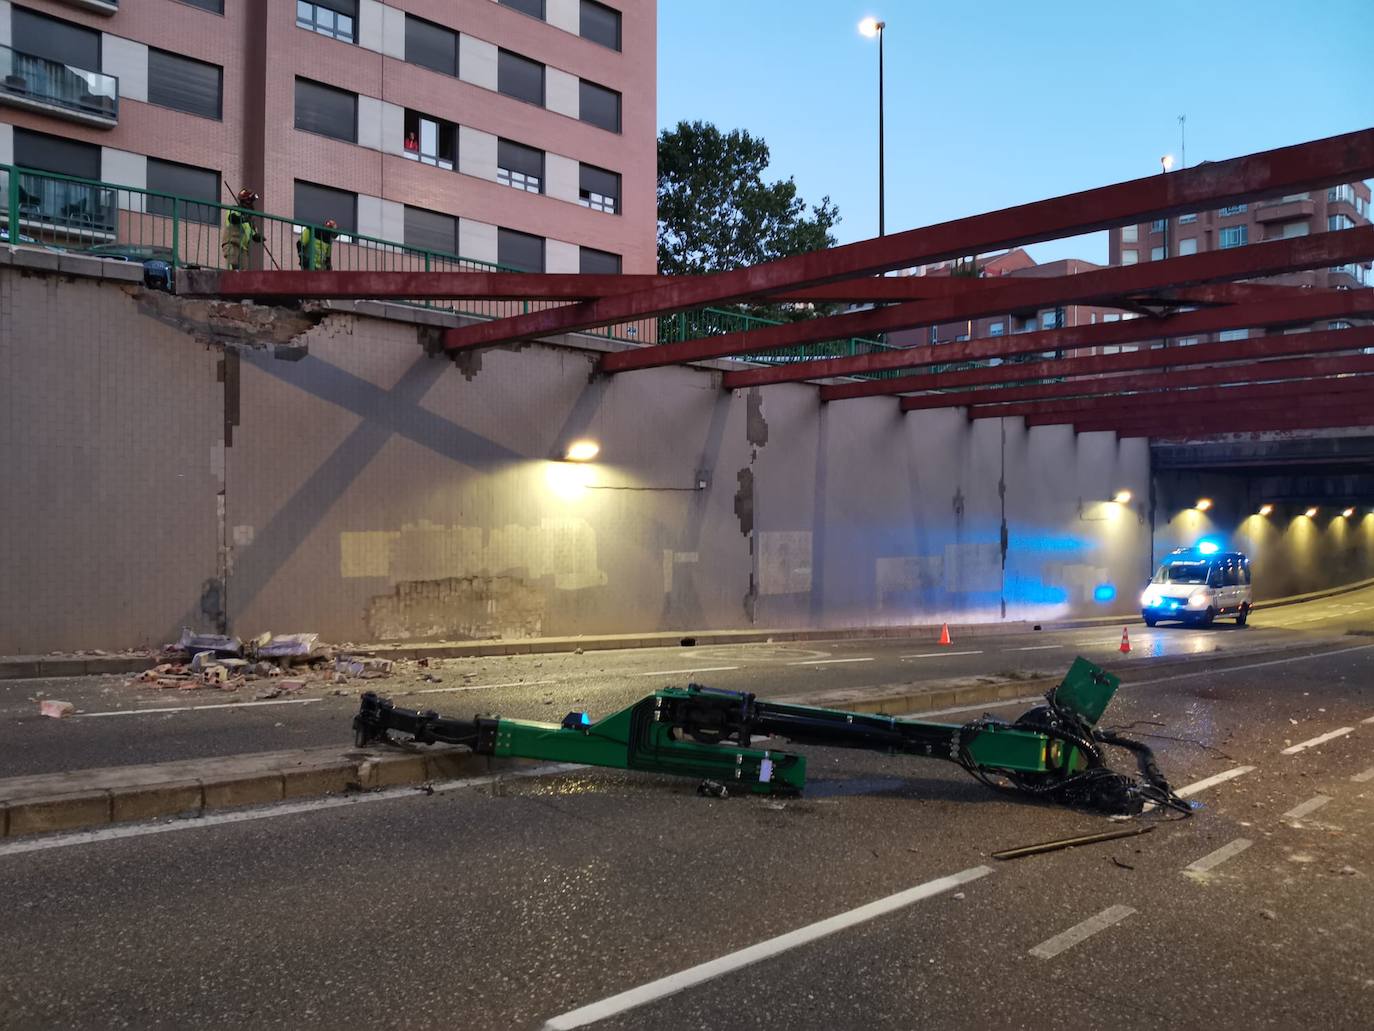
(1052, 947)
(198, 708)
(937, 655)
(693, 976)
(1207, 782)
(1214, 859)
(673, 672)
(827, 662)
(477, 687)
(1302, 746)
(139, 830)
(1037, 647)
(1310, 806)
(1369, 720)
(1366, 776)
(1251, 665)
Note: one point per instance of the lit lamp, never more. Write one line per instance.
(1203, 504)
(1311, 513)
(1122, 497)
(1266, 509)
(1349, 512)
(1166, 163)
(582, 451)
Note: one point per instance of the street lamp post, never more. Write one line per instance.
(873, 27)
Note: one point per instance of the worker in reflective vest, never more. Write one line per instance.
(238, 235)
(315, 248)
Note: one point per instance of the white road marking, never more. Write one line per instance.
(1252, 665)
(1037, 647)
(477, 687)
(1369, 720)
(671, 672)
(937, 655)
(1068, 939)
(974, 708)
(823, 662)
(1303, 745)
(198, 708)
(1310, 806)
(692, 976)
(1367, 775)
(1205, 783)
(139, 830)
(1218, 857)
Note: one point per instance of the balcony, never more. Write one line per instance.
(1285, 210)
(58, 89)
(60, 208)
(98, 6)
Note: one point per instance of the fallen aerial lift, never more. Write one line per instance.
(1052, 752)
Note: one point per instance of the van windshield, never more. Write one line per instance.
(1181, 573)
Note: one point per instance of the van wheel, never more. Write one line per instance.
(1242, 615)
(1150, 621)
(1207, 617)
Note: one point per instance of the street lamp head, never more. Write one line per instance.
(871, 27)
(1166, 162)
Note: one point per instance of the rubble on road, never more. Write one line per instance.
(57, 710)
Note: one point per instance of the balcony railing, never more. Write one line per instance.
(98, 6)
(56, 88)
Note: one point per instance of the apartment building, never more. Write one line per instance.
(520, 132)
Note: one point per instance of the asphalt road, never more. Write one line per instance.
(122, 722)
(520, 904)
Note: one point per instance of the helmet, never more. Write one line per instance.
(329, 223)
(247, 196)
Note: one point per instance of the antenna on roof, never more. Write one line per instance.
(1183, 141)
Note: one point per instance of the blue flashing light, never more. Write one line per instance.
(1104, 593)
(1208, 547)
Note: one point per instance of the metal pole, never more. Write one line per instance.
(881, 223)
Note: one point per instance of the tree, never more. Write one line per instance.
(716, 212)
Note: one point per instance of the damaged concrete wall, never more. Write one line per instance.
(370, 492)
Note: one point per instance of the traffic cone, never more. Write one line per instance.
(1125, 641)
(944, 634)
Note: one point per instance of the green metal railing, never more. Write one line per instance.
(87, 216)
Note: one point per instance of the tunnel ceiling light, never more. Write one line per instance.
(1266, 509)
(1122, 497)
(582, 451)
(1311, 512)
(1349, 512)
(1203, 504)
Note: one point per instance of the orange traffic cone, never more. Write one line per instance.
(944, 634)
(1125, 641)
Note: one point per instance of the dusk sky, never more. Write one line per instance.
(996, 103)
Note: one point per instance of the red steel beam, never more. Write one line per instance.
(977, 401)
(1323, 305)
(1308, 398)
(1189, 389)
(1261, 259)
(1276, 346)
(1267, 420)
(1328, 162)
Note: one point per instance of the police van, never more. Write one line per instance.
(1196, 585)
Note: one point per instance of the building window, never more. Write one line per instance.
(1292, 229)
(1129, 257)
(316, 204)
(1234, 209)
(431, 231)
(599, 105)
(1156, 253)
(1112, 316)
(431, 141)
(534, 8)
(337, 19)
(183, 181)
(1130, 234)
(1186, 341)
(37, 35)
(997, 329)
(1335, 223)
(600, 24)
(1184, 220)
(1340, 325)
(1053, 319)
(184, 84)
(431, 46)
(213, 6)
(326, 110)
(520, 77)
(1233, 236)
(520, 251)
(1234, 334)
(1157, 226)
(1188, 245)
(593, 262)
(1341, 193)
(56, 201)
(599, 189)
(519, 166)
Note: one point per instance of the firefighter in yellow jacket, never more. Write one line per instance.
(315, 248)
(239, 233)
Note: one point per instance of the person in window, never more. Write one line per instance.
(412, 143)
(315, 248)
(236, 239)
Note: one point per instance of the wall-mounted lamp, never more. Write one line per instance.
(1203, 504)
(1311, 513)
(1266, 509)
(582, 451)
(1349, 512)
(1122, 497)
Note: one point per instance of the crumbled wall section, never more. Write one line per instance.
(458, 609)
